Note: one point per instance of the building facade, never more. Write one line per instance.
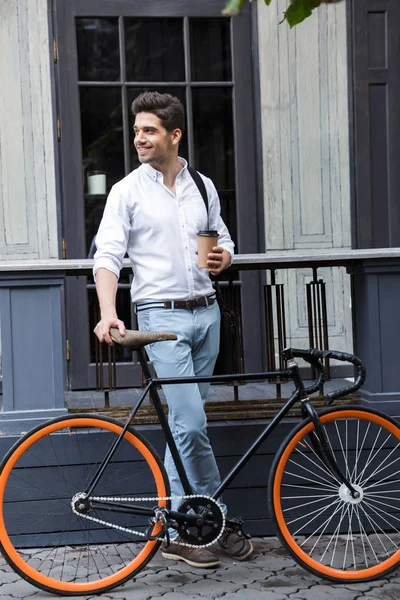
(298, 128)
(298, 142)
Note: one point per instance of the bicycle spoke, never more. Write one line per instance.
(296, 475)
(349, 539)
(320, 478)
(320, 465)
(353, 475)
(382, 469)
(372, 456)
(334, 535)
(360, 450)
(341, 446)
(382, 512)
(382, 482)
(377, 493)
(297, 506)
(316, 514)
(324, 526)
(383, 503)
(363, 534)
(375, 528)
(307, 487)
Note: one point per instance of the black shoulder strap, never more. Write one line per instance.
(202, 188)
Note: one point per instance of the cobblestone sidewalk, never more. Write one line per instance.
(270, 575)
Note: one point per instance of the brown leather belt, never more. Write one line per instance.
(191, 303)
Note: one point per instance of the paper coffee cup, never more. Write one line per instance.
(206, 240)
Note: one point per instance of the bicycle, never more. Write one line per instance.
(81, 481)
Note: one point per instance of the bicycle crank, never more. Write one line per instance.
(208, 525)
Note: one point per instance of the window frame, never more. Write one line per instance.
(247, 146)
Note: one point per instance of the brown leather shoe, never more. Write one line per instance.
(235, 542)
(195, 557)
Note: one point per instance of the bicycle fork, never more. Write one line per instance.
(322, 449)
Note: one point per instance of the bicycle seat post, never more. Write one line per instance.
(144, 365)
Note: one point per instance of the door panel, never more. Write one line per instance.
(376, 81)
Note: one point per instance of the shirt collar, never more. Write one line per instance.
(154, 174)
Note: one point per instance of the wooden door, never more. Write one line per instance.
(375, 34)
(108, 52)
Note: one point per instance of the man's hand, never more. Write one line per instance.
(218, 260)
(102, 329)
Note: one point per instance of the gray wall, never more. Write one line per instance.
(31, 355)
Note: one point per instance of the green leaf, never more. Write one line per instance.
(232, 7)
(267, 2)
(300, 10)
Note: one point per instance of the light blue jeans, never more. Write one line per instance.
(193, 353)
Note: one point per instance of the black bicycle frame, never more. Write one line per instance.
(151, 388)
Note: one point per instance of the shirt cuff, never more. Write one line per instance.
(229, 249)
(106, 263)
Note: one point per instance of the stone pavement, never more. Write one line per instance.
(270, 575)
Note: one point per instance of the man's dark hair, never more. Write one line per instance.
(167, 108)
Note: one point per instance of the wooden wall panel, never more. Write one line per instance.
(305, 135)
(376, 81)
(28, 212)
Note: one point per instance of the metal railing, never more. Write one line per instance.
(274, 302)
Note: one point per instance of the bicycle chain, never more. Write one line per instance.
(140, 533)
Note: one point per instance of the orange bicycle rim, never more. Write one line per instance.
(369, 572)
(55, 583)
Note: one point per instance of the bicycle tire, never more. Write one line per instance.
(326, 531)
(41, 537)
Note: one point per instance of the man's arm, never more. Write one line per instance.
(106, 287)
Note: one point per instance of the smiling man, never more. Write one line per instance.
(154, 214)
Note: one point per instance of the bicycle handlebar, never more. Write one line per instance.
(313, 356)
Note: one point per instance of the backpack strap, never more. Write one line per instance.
(202, 189)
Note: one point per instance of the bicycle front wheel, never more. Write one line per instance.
(328, 532)
(41, 536)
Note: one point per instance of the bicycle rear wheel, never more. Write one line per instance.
(327, 531)
(40, 535)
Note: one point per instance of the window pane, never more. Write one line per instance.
(154, 50)
(210, 49)
(213, 134)
(98, 49)
(214, 145)
(102, 150)
(178, 92)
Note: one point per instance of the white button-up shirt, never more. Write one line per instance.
(158, 230)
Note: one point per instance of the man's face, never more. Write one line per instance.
(154, 144)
